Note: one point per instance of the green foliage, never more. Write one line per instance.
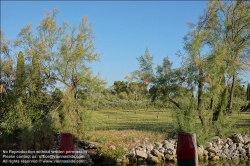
(248, 92)
(14, 123)
(224, 101)
(120, 86)
(234, 39)
(71, 117)
(111, 156)
(145, 73)
(70, 46)
(240, 91)
(44, 133)
(239, 103)
(21, 77)
(87, 123)
(35, 79)
(123, 95)
(56, 120)
(59, 54)
(69, 114)
(57, 96)
(38, 136)
(25, 128)
(139, 90)
(185, 119)
(225, 126)
(168, 85)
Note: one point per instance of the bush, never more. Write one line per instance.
(38, 137)
(185, 119)
(87, 124)
(110, 156)
(44, 134)
(19, 129)
(13, 123)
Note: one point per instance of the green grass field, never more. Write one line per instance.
(121, 126)
(146, 120)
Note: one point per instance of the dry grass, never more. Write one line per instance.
(126, 138)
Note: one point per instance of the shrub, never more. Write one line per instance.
(185, 120)
(110, 156)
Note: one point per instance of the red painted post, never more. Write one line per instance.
(186, 150)
(67, 148)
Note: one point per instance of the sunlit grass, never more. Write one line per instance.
(146, 120)
(131, 127)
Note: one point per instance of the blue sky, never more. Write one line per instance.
(122, 29)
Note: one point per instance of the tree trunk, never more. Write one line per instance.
(73, 86)
(174, 102)
(136, 95)
(211, 104)
(248, 92)
(230, 109)
(200, 93)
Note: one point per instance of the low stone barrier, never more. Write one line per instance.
(233, 149)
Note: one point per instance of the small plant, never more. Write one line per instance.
(111, 155)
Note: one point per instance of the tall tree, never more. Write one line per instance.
(224, 31)
(21, 77)
(248, 91)
(63, 53)
(63, 50)
(167, 83)
(195, 62)
(35, 78)
(145, 73)
(233, 32)
(7, 68)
